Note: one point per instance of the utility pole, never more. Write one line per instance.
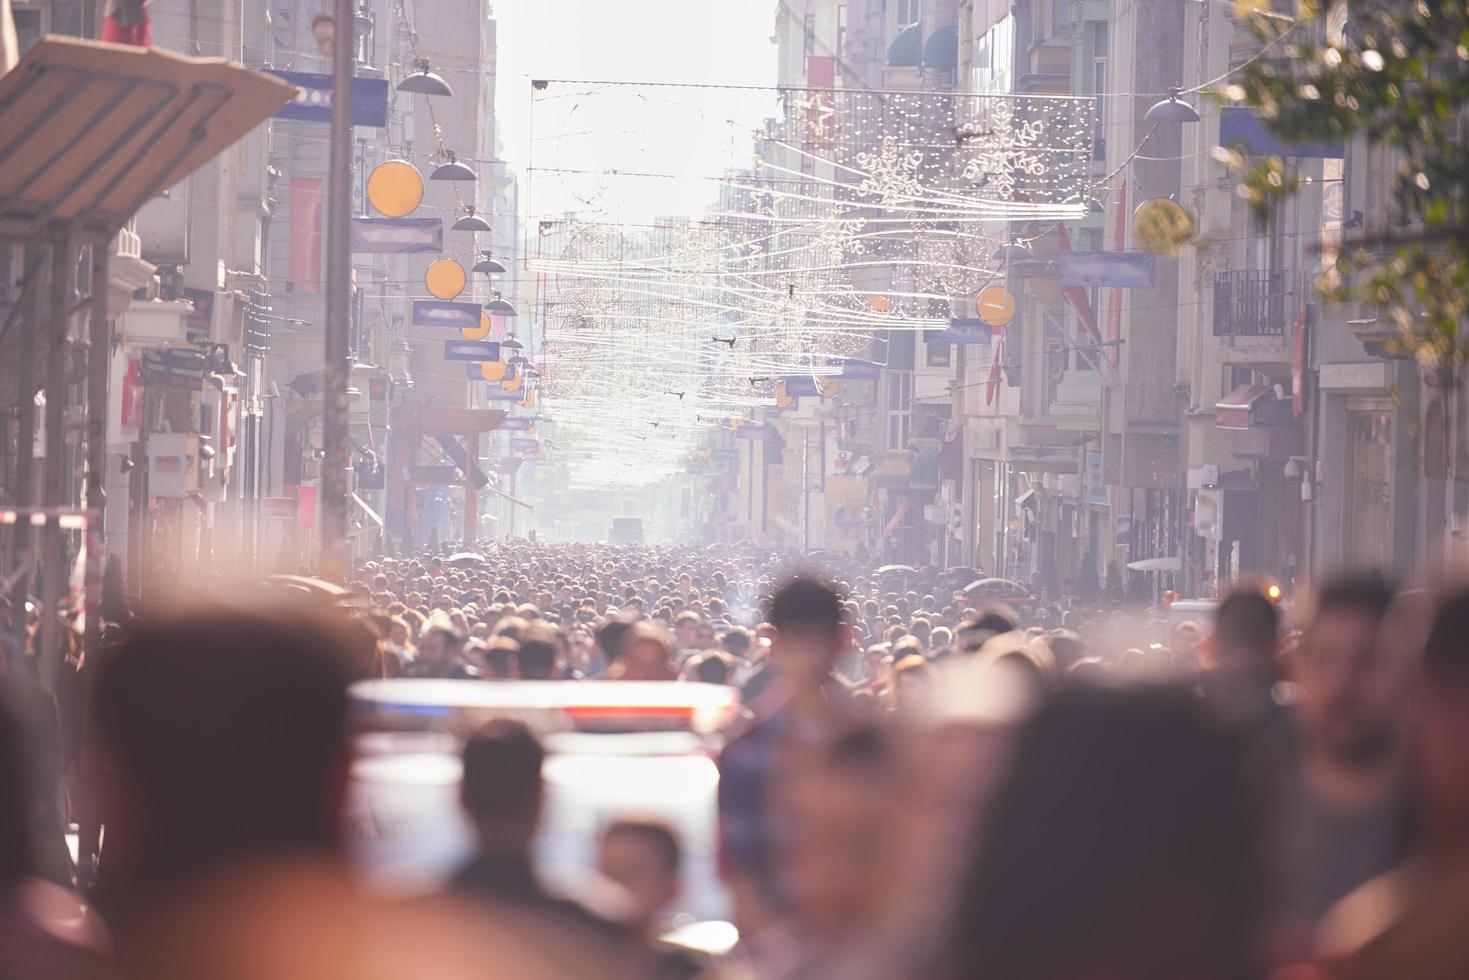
(333, 562)
(58, 354)
(36, 265)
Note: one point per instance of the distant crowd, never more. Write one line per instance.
(924, 780)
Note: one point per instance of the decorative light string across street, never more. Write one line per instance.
(858, 211)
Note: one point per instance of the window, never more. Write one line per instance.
(810, 35)
(841, 33)
(1060, 17)
(899, 410)
(907, 12)
(29, 27)
(938, 354)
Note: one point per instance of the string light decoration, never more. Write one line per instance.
(859, 211)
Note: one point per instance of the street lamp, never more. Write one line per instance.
(1014, 251)
(471, 222)
(1172, 109)
(424, 82)
(500, 307)
(452, 170)
(488, 265)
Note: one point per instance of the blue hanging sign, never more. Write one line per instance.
(1124, 270)
(497, 394)
(471, 350)
(442, 313)
(525, 444)
(520, 423)
(1240, 127)
(798, 385)
(961, 330)
(398, 235)
(313, 101)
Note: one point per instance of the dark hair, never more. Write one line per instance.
(804, 603)
(1248, 623)
(1445, 658)
(1370, 593)
(502, 770)
(227, 726)
(537, 655)
(737, 640)
(1120, 842)
(612, 636)
(498, 654)
(656, 834)
(714, 667)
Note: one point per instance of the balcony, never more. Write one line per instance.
(1252, 313)
(1249, 304)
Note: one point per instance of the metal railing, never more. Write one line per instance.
(1249, 304)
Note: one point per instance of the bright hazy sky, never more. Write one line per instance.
(714, 42)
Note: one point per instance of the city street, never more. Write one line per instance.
(777, 489)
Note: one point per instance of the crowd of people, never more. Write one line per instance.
(917, 784)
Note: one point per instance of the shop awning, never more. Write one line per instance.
(90, 131)
(1242, 407)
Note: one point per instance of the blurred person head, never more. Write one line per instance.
(912, 676)
(1015, 653)
(441, 646)
(1443, 737)
(644, 857)
(1351, 695)
(685, 630)
(1246, 636)
(611, 638)
(713, 667)
(224, 731)
(499, 658)
(512, 626)
(737, 642)
(807, 617)
(1120, 843)
(843, 859)
(1184, 640)
(1066, 649)
(646, 654)
(502, 791)
(540, 649)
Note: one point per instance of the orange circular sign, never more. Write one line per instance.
(395, 188)
(480, 332)
(996, 305)
(445, 279)
(492, 370)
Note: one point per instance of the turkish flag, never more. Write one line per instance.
(132, 394)
(127, 22)
(993, 386)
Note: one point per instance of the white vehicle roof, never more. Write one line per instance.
(421, 703)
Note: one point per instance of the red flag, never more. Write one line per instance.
(305, 258)
(994, 381)
(1076, 294)
(127, 22)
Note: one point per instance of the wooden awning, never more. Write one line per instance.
(90, 131)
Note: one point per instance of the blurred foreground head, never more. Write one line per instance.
(1119, 844)
(225, 739)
